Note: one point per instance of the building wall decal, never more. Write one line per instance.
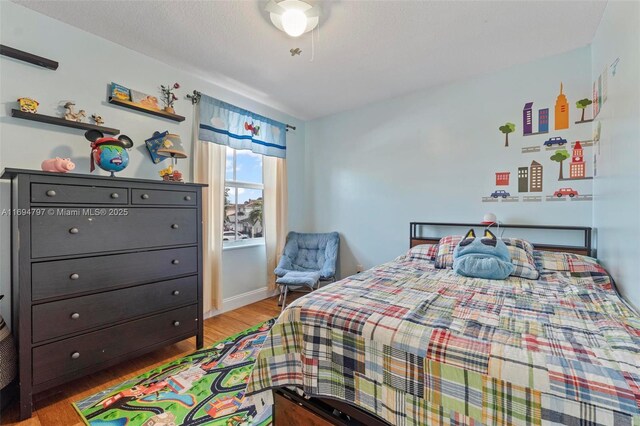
(562, 111)
(523, 179)
(595, 104)
(502, 178)
(530, 178)
(600, 94)
(577, 169)
(600, 89)
(535, 177)
(527, 120)
(543, 120)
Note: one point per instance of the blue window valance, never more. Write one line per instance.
(226, 124)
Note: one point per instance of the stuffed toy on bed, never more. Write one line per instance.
(486, 257)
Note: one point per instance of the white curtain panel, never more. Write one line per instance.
(209, 167)
(275, 212)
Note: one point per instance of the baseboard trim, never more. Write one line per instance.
(240, 300)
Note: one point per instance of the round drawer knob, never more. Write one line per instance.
(176, 323)
(187, 198)
(176, 292)
(145, 196)
(74, 276)
(51, 193)
(115, 195)
(175, 261)
(74, 230)
(174, 226)
(75, 316)
(75, 355)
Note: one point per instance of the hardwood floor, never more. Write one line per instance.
(53, 407)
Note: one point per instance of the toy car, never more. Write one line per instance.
(565, 191)
(500, 193)
(555, 141)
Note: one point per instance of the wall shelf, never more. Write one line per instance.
(61, 122)
(28, 57)
(152, 111)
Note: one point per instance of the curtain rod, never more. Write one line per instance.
(195, 98)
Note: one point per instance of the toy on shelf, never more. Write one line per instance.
(171, 175)
(28, 105)
(97, 119)
(71, 115)
(58, 165)
(169, 97)
(109, 153)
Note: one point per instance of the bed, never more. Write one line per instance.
(405, 343)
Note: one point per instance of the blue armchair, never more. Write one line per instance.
(304, 257)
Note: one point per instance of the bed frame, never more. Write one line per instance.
(416, 237)
(324, 411)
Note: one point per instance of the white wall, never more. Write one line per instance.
(431, 156)
(87, 65)
(616, 214)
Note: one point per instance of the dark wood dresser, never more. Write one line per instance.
(103, 270)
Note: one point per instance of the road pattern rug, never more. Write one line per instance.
(204, 388)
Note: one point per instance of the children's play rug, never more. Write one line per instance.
(204, 388)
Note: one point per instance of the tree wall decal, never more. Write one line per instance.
(560, 156)
(583, 104)
(506, 129)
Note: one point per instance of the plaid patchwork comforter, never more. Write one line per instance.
(417, 345)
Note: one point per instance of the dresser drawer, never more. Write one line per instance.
(90, 350)
(173, 198)
(77, 194)
(100, 273)
(85, 312)
(77, 233)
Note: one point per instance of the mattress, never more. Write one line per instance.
(416, 345)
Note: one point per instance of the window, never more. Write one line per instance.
(243, 196)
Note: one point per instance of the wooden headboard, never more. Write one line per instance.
(416, 237)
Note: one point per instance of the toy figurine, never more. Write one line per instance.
(169, 97)
(110, 154)
(97, 119)
(59, 165)
(71, 115)
(28, 105)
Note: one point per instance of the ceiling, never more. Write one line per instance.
(367, 50)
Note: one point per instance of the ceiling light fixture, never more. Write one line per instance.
(294, 17)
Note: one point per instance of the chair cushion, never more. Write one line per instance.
(299, 278)
(310, 253)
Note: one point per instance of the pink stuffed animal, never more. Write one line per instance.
(60, 165)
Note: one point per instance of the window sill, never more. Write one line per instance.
(241, 244)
